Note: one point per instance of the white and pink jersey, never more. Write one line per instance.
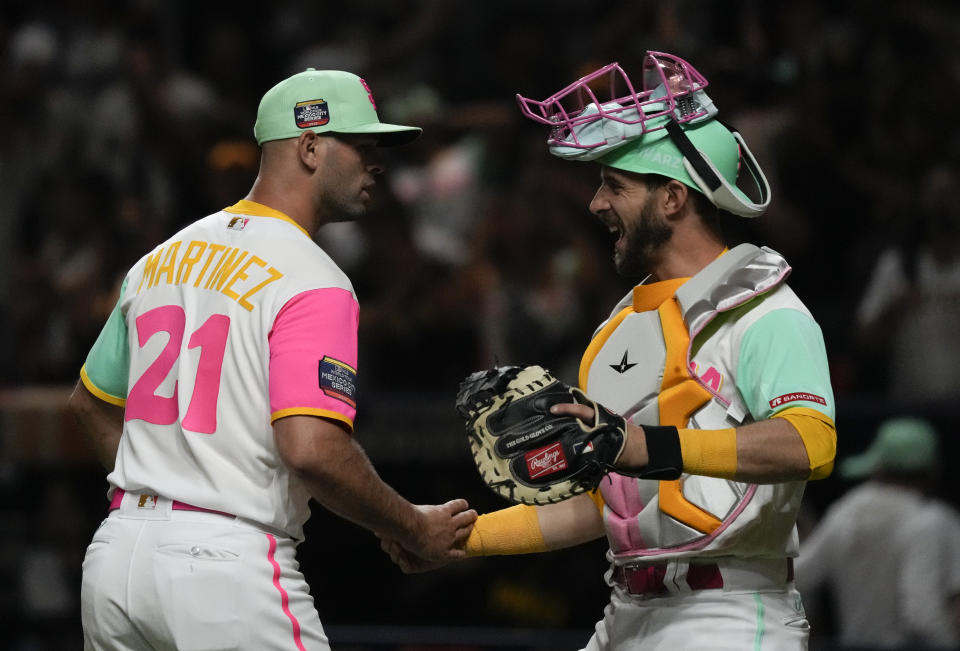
(235, 321)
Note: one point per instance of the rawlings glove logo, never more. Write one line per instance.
(545, 461)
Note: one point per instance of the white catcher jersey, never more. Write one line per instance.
(235, 321)
(729, 346)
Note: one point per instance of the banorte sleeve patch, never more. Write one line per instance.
(793, 397)
(338, 380)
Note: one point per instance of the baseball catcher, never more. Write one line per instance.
(730, 384)
(524, 451)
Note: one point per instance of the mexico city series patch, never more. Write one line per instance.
(338, 380)
(311, 113)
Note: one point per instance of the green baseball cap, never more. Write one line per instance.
(655, 153)
(902, 445)
(324, 101)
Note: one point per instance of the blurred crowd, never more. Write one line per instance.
(121, 126)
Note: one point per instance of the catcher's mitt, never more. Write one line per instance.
(525, 453)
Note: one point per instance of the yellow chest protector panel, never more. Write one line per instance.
(679, 397)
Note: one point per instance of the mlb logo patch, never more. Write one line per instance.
(312, 113)
(545, 461)
(147, 502)
(238, 223)
(583, 448)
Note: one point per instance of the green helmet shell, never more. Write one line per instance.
(655, 153)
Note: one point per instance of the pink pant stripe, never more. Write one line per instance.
(284, 598)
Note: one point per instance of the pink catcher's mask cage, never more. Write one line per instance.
(669, 88)
(586, 126)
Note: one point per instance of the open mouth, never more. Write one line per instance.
(614, 227)
(617, 234)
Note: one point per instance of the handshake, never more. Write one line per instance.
(440, 537)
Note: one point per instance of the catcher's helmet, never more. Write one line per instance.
(667, 127)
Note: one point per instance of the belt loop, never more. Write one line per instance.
(676, 577)
(705, 577)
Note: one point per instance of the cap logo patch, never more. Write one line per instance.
(311, 113)
(338, 380)
(545, 461)
(369, 94)
(793, 397)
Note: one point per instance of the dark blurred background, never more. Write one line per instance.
(121, 122)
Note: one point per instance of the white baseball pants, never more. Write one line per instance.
(179, 580)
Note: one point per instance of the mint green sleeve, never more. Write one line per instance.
(782, 364)
(107, 367)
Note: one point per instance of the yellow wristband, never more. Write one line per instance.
(514, 530)
(710, 452)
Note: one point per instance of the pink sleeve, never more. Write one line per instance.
(313, 356)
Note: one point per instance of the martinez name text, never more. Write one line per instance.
(233, 272)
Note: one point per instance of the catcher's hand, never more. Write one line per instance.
(527, 454)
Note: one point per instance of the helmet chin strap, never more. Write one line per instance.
(713, 184)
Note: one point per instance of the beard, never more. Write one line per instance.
(643, 239)
(340, 206)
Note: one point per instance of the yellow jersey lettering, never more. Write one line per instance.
(168, 266)
(212, 250)
(274, 275)
(240, 275)
(190, 259)
(150, 269)
(212, 278)
(231, 268)
(228, 266)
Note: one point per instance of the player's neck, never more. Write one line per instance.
(686, 255)
(290, 203)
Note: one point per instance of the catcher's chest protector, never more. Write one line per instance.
(641, 364)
